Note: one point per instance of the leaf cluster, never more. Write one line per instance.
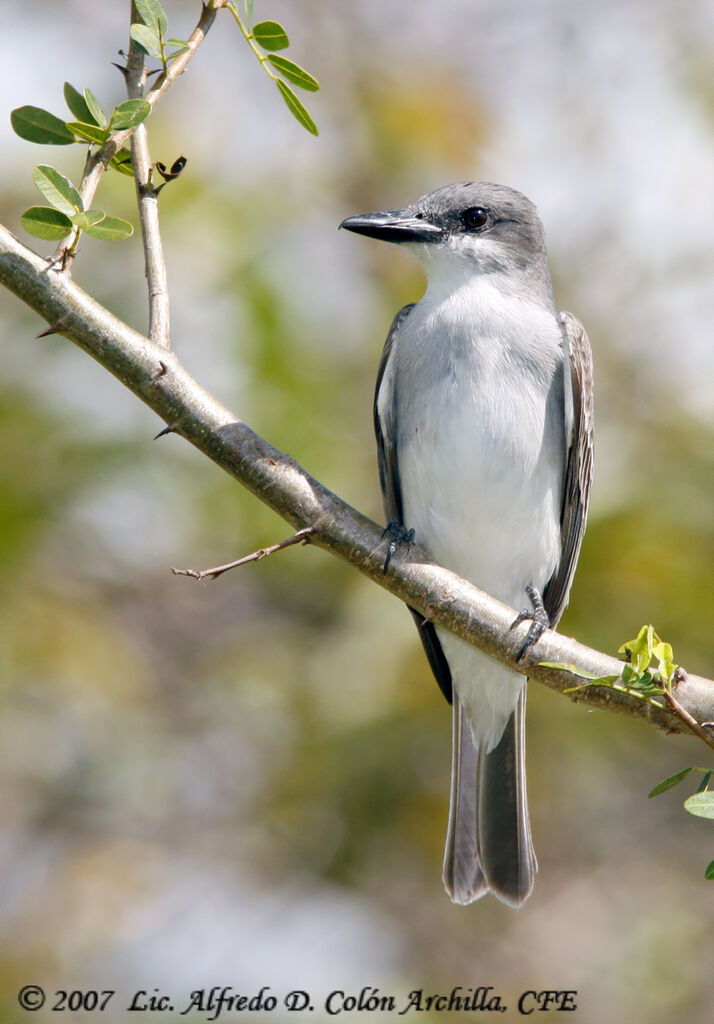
(91, 125)
(639, 676)
(264, 39)
(66, 210)
(149, 34)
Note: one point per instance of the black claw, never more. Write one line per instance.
(398, 535)
(538, 617)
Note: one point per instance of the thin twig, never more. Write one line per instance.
(699, 728)
(98, 161)
(301, 537)
(179, 64)
(148, 203)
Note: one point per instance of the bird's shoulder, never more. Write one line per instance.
(383, 385)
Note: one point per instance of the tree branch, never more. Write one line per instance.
(160, 381)
(98, 161)
(701, 729)
(148, 203)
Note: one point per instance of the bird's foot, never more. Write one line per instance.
(397, 534)
(538, 617)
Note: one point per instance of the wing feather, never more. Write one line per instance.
(578, 470)
(385, 428)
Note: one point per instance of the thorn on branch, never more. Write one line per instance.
(120, 67)
(55, 328)
(170, 429)
(301, 537)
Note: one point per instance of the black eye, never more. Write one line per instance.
(475, 217)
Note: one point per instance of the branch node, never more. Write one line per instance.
(162, 370)
(698, 728)
(62, 259)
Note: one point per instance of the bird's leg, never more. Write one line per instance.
(539, 620)
(397, 534)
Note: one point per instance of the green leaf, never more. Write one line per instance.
(580, 672)
(666, 784)
(37, 125)
(640, 649)
(129, 114)
(86, 220)
(629, 675)
(665, 660)
(111, 229)
(566, 667)
(77, 104)
(152, 14)
(249, 12)
(122, 162)
(147, 40)
(271, 35)
(701, 804)
(704, 783)
(91, 133)
(57, 190)
(180, 43)
(593, 680)
(45, 222)
(294, 73)
(296, 108)
(95, 109)
(709, 871)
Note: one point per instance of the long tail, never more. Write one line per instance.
(488, 844)
(462, 875)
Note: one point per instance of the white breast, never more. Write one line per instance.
(476, 383)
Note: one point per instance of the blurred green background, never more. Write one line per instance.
(245, 783)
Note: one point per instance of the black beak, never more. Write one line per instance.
(393, 226)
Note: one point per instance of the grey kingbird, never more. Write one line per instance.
(483, 415)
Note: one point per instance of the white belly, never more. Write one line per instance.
(481, 457)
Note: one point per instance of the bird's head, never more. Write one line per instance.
(463, 230)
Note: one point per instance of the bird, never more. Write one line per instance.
(483, 414)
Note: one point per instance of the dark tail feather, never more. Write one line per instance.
(505, 848)
(462, 875)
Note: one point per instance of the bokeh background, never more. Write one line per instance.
(245, 783)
